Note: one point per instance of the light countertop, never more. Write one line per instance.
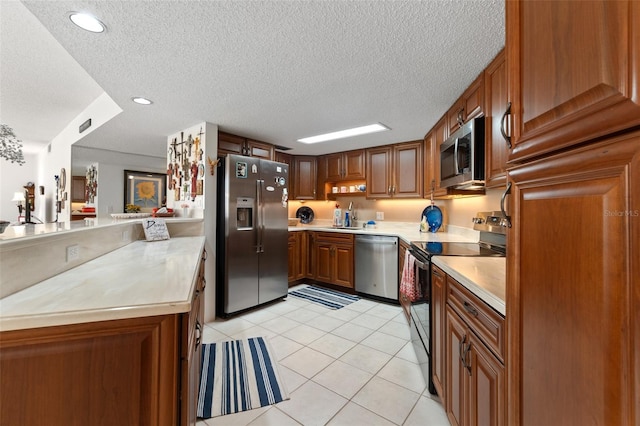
(405, 231)
(140, 279)
(483, 276)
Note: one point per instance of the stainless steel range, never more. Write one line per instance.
(492, 242)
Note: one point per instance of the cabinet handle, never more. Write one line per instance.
(198, 333)
(504, 196)
(461, 350)
(204, 255)
(466, 364)
(506, 137)
(470, 308)
(459, 118)
(436, 273)
(204, 283)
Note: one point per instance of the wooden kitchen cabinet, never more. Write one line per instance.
(304, 178)
(297, 256)
(234, 144)
(285, 158)
(468, 106)
(574, 314)
(395, 171)
(78, 184)
(439, 134)
(333, 258)
(344, 166)
(438, 317)
(191, 350)
(573, 71)
(496, 106)
(474, 373)
(135, 371)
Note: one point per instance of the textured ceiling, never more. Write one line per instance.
(271, 70)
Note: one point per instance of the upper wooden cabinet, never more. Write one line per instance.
(281, 157)
(439, 134)
(348, 165)
(574, 72)
(304, 178)
(495, 122)
(233, 144)
(395, 171)
(468, 106)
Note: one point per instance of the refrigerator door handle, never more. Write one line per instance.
(260, 216)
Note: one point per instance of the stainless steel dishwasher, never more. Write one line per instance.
(377, 266)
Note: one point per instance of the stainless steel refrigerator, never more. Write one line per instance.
(251, 248)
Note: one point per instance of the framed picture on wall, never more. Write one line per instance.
(145, 190)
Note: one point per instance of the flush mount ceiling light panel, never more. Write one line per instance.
(356, 131)
(141, 100)
(87, 22)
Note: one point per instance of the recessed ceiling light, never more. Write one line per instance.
(363, 130)
(87, 22)
(141, 101)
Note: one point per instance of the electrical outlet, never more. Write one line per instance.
(379, 215)
(126, 236)
(73, 253)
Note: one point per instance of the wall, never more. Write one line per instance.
(456, 212)
(204, 205)
(111, 167)
(13, 177)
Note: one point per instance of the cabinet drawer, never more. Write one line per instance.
(481, 319)
(334, 237)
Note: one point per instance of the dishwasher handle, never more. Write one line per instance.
(377, 241)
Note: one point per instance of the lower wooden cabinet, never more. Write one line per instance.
(474, 375)
(438, 304)
(297, 254)
(137, 371)
(333, 256)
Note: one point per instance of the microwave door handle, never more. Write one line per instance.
(455, 157)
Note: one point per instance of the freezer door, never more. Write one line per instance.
(241, 239)
(273, 233)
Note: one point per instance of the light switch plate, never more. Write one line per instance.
(379, 215)
(73, 253)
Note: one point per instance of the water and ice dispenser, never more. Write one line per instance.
(244, 213)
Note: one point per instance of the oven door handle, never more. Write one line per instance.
(422, 265)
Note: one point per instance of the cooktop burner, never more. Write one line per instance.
(455, 249)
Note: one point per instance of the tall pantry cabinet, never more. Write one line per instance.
(573, 264)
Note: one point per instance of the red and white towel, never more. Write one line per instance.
(408, 281)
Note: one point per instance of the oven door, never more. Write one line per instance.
(421, 317)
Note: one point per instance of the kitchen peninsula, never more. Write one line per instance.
(115, 340)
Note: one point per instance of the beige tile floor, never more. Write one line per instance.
(352, 366)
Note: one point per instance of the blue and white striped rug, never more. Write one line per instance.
(238, 375)
(325, 297)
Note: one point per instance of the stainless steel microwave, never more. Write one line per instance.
(462, 157)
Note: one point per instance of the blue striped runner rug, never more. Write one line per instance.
(238, 375)
(325, 297)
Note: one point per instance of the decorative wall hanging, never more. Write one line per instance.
(10, 145)
(185, 169)
(145, 190)
(91, 185)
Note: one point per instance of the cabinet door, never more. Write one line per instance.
(429, 166)
(468, 106)
(379, 167)
(455, 115)
(354, 165)
(335, 168)
(323, 261)
(573, 302)
(495, 80)
(407, 170)
(230, 144)
(455, 371)
(574, 69)
(260, 149)
(292, 252)
(486, 382)
(281, 157)
(438, 317)
(343, 265)
(304, 185)
(440, 134)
